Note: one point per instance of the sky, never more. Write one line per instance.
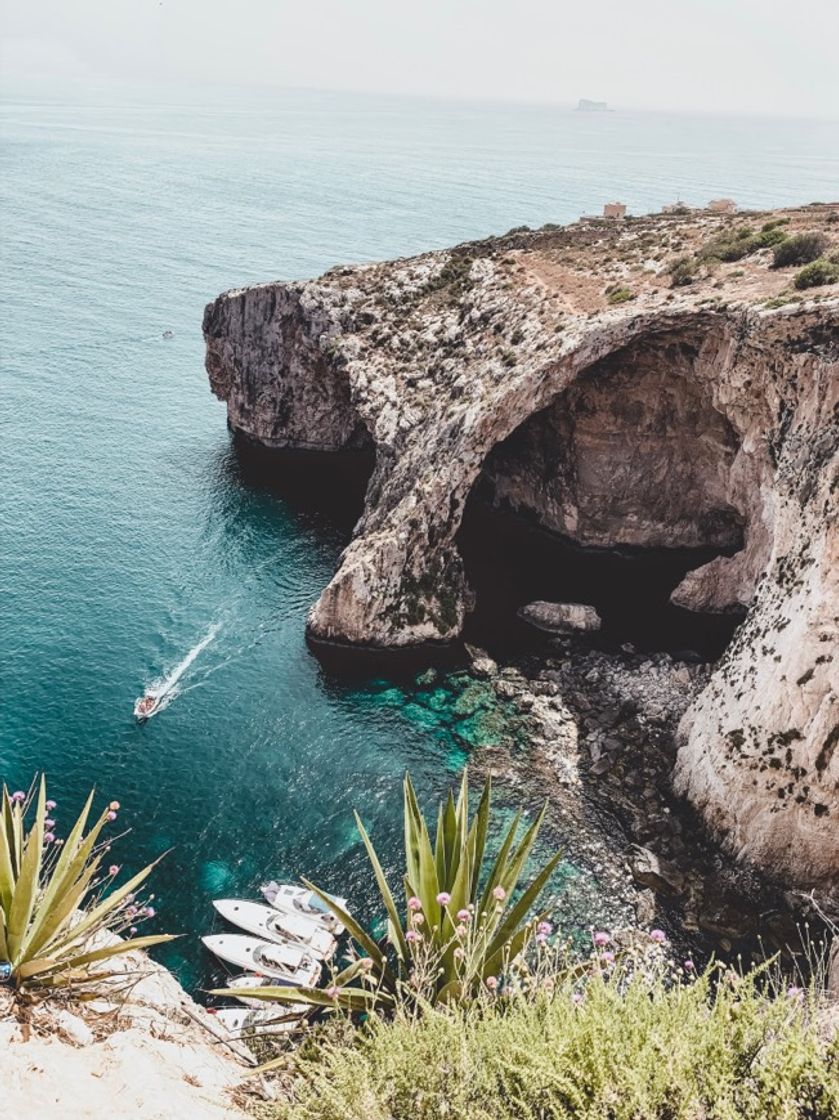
(737, 56)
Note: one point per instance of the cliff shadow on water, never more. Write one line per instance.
(511, 561)
(329, 486)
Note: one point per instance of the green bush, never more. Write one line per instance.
(737, 244)
(800, 249)
(463, 925)
(818, 272)
(683, 271)
(619, 295)
(56, 899)
(622, 1047)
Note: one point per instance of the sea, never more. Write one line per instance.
(135, 545)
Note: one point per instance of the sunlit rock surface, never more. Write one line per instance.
(562, 371)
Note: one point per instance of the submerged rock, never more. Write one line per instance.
(561, 618)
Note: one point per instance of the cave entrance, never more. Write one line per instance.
(608, 496)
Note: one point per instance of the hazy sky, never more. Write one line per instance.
(732, 55)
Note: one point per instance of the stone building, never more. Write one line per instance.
(722, 205)
(614, 210)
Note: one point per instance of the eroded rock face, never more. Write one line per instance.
(680, 417)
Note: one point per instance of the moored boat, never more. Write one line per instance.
(278, 925)
(292, 898)
(287, 964)
(237, 1020)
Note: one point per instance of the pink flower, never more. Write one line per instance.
(545, 928)
(50, 805)
(689, 966)
(417, 919)
(463, 915)
(459, 953)
(541, 938)
(332, 992)
(491, 982)
(499, 894)
(412, 936)
(130, 897)
(601, 938)
(414, 903)
(658, 936)
(114, 806)
(132, 930)
(796, 993)
(444, 898)
(149, 911)
(49, 823)
(112, 815)
(113, 870)
(607, 958)
(18, 795)
(577, 998)
(49, 837)
(366, 964)
(460, 930)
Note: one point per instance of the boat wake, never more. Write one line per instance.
(160, 693)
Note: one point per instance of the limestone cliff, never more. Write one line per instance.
(564, 369)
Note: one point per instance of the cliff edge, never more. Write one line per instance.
(652, 382)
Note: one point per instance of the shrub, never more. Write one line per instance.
(55, 899)
(619, 295)
(683, 271)
(626, 1047)
(800, 249)
(818, 272)
(734, 245)
(462, 925)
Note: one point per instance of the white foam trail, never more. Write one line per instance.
(172, 678)
(166, 687)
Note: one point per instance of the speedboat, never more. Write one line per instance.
(146, 706)
(294, 899)
(270, 1021)
(291, 965)
(246, 983)
(280, 926)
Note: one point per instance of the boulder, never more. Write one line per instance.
(561, 618)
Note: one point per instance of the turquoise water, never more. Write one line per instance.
(129, 528)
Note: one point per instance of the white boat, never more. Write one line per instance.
(290, 897)
(246, 983)
(148, 705)
(278, 925)
(239, 1019)
(287, 964)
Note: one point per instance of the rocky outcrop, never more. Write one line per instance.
(561, 618)
(144, 1050)
(561, 371)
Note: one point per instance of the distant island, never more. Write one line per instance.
(586, 106)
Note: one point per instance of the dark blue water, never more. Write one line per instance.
(129, 528)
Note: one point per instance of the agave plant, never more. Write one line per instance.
(462, 924)
(56, 900)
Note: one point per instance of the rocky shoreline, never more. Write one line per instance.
(602, 743)
(654, 383)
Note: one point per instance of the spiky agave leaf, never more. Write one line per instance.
(45, 926)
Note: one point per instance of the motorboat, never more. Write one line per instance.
(246, 983)
(277, 925)
(294, 899)
(292, 965)
(147, 705)
(270, 1021)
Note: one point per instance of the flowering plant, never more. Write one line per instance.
(55, 898)
(463, 922)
